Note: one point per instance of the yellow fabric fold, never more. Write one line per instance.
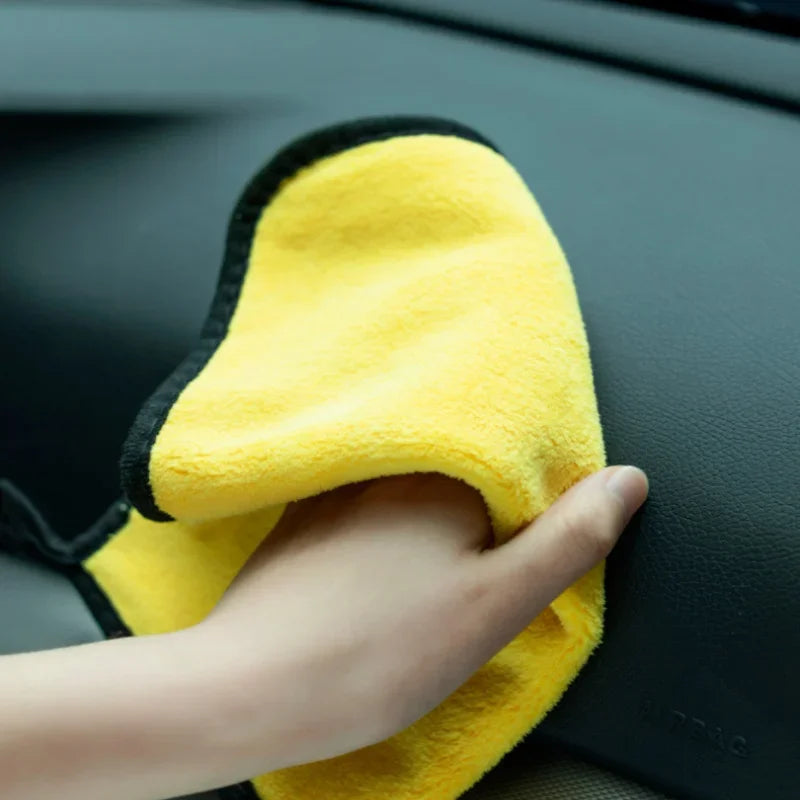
(405, 307)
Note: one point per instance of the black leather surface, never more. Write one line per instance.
(28, 624)
(659, 44)
(678, 212)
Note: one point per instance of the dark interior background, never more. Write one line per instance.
(666, 154)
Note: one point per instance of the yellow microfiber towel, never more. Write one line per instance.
(392, 300)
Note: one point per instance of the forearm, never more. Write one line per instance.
(132, 719)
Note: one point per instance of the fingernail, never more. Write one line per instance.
(631, 486)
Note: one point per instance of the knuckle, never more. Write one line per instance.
(590, 532)
(472, 589)
(482, 600)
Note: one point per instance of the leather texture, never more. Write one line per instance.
(678, 212)
(548, 773)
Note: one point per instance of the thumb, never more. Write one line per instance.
(520, 578)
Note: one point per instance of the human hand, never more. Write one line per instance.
(367, 606)
(361, 611)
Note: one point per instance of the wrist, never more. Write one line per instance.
(128, 718)
(244, 688)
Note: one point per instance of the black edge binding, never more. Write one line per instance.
(239, 791)
(26, 533)
(135, 460)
